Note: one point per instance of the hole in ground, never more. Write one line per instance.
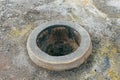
(58, 40)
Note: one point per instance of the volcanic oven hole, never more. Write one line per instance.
(58, 40)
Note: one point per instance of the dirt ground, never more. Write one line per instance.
(101, 18)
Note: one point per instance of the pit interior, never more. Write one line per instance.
(58, 40)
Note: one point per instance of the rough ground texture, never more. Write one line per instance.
(101, 18)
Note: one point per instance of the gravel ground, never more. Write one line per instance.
(101, 18)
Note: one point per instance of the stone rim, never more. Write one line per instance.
(60, 62)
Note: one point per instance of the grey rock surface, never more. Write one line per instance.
(19, 17)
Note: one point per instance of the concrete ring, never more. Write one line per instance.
(60, 61)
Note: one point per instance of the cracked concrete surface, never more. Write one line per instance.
(101, 18)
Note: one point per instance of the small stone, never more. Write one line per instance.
(0, 25)
(3, 29)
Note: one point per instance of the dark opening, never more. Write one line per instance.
(58, 40)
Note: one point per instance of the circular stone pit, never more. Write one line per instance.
(59, 45)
